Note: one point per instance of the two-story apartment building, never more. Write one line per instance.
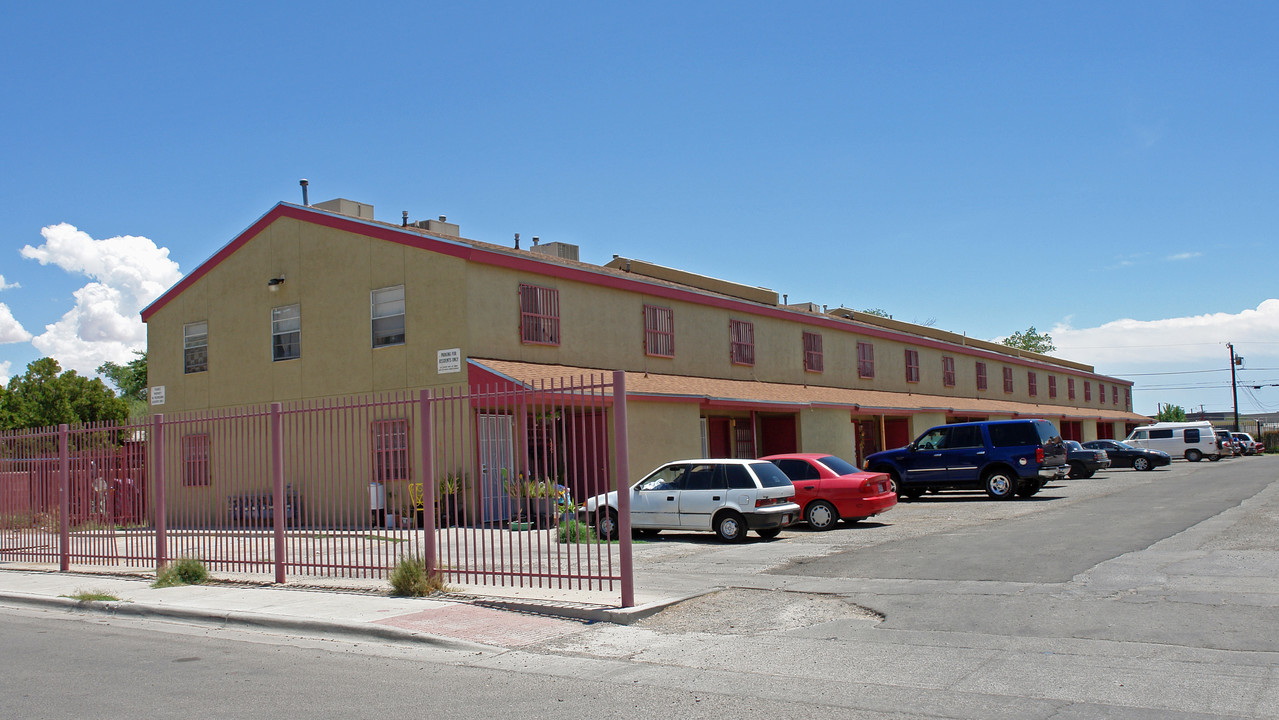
(324, 301)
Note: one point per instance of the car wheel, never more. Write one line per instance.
(821, 515)
(730, 527)
(894, 481)
(1077, 471)
(999, 484)
(914, 493)
(607, 528)
(769, 533)
(1194, 455)
(1028, 489)
(1140, 463)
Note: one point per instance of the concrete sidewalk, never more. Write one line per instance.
(354, 609)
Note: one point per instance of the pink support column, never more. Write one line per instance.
(277, 487)
(623, 489)
(155, 475)
(64, 500)
(427, 477)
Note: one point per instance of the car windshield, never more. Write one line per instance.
(1074, 445)
(769, 475)
(837, 465)
(1124, 446)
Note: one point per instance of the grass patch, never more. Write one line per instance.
(571, 532)
(92, 596)
(410, 579)
(185, 571)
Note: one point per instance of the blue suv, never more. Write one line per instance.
(1002, 457)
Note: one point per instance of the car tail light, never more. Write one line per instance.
(765, 502)
(1039, 454)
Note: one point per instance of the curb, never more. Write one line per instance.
(617, 616)
(247, 620)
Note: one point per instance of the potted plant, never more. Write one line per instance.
(449, 489)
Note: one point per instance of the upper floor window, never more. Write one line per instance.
(1101, 393)
(391, 450)
(741, 342)
(1008, 379)
(1052, 386)
(948, 371)
(195, 347)
(195, 460)
(1114, 394)
(388, 316)
(1070, 388)
(659, 331)
(981, 376)
(865, 360)
(286, 332)
(1087, 391)
(1128, 399)
(1032, 383)
(539, 315)
(813, 352)
(912, 366)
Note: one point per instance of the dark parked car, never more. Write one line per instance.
(1002, 457)
(1122, 454)
(1085, 462)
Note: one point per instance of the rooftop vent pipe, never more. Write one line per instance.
(303, 182)
(517, 241)
(405, 221)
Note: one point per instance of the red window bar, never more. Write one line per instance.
(948, 371)
(1052, 386)
(539, 315)
(865, 360)
(1008, 379)
(813, 352)
(912, 366)
(1087, 391)
(981, 376)
(1032, 383)
(742, 345)
(1101, 393)
(659, 331)
(1070, 388)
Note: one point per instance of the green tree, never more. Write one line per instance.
(1171, 413)
(44, 396)
(131, 378)
(1031, 340)
(877, 311)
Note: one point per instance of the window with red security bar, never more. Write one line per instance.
(981, 376)
(1032, 383)
(865, 360)
(1008, 379)
(741, 349)
(813, 352)
(743, 440)
(1101, 393)
(912, 366)
(948, 371)
(1070, 388)
(195, 460)
(1114, 394)
(1087, 391)
(539, 315)
(1128, 399)
(391, 450)
(659, 331)
(1052, 386)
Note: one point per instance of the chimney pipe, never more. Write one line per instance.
(517, 241)
(405, 222)
(443, 219)
(303, 182)
(535, 239)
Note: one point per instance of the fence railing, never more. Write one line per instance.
(482, 483)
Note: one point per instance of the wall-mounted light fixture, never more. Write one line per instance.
(274, 283)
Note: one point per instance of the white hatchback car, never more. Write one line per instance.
(726, 497)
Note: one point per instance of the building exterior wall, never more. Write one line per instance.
(827, 430)
(659, 432)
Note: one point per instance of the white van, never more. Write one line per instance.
(1192, 440)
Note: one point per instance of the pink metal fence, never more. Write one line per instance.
(482, 483)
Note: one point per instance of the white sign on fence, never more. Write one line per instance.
(448, 361)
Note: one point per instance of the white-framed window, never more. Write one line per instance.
(286, 332)
(388, 316)
(195, 347)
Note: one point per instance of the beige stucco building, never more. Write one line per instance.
(323, 301)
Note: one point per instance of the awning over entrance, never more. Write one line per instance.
(717, 392)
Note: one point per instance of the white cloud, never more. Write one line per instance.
(11, 330)
(5, 286)
(1184, 256)
(4, 372)
(1184, 341)
(128, 272)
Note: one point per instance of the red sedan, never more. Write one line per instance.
(829, 489)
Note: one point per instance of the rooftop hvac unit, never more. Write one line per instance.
(567, 251)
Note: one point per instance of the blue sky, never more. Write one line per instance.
(1102, 171)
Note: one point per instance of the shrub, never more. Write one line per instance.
(576, 531)
(410, 579)
(92, 595)
(185, 571)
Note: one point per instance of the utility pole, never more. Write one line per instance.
(1234, 384)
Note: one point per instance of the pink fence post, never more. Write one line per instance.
(277, 487)
(427, 414)
(623, 489)
(155, 475)
(64, 500)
